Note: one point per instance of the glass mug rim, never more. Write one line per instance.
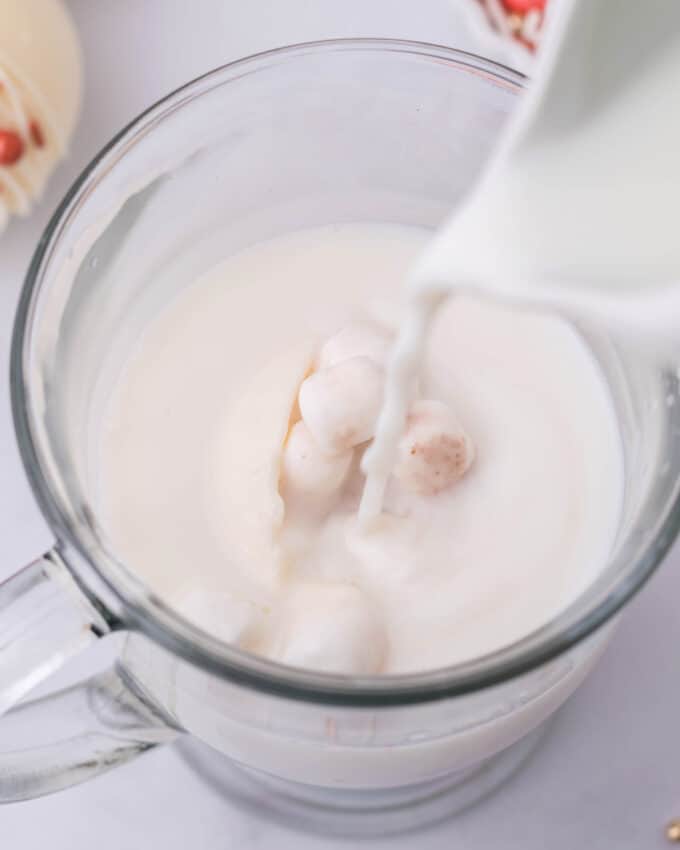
(141, 610)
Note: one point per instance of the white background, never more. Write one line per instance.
(607, 777)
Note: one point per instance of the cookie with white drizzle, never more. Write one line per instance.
(40, 91)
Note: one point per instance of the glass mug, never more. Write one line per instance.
(307, 135)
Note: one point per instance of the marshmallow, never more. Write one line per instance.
(340, 404)
(247, 505)
(307, 471)
(230, 618)
(332, 627)
(358, 339)
(434, 451)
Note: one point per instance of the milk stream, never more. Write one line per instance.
(578, 209)
(403, 371)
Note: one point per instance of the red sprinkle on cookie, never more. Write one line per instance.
(11, 147)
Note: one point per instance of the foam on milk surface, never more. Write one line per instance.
(442, 578)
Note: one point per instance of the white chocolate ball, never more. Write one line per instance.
(331, 627)
(358, 339)
(340, 404)
(309, 472)
(434, 451)
(40, 93)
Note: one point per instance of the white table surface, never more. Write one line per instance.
(609, 774)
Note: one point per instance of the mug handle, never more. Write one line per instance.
(103, 722)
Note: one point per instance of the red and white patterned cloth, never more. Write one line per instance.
(520, 20)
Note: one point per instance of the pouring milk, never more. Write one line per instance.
(579, 208)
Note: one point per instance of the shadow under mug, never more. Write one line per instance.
(358, 130)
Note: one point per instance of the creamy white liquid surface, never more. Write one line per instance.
(190, 464)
